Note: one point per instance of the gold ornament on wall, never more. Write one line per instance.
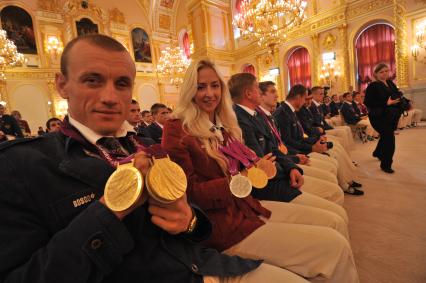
(329, 41)
(164, 21)
(117, 16)
(49, 5)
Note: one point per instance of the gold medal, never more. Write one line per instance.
(268, 167)
(166, 181)
(123, 188)
(240, 186)
(283, 148)
(257, 177)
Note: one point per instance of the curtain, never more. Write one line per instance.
(299, 67)
(375, 45)
(186, 45)
(249, 68)
(238, 5)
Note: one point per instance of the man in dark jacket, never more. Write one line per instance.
(161, 113)
(353, 117)
(54, 222)
(9, 127)
(246, 95)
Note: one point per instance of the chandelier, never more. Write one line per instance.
(269, 21)
(9, 57)
(173, 64)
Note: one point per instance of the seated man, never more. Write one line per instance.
(335, 105)
(311, 167)
(160, 113)
(285, 185)
(351, 117)
(293, 134)
(9, 127)
(23, 124)
(134, 118)
(53, 125)
(54, 221)
(146, 118)
(331, 112)
(343, 133)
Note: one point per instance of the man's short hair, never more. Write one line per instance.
(346, 94)
(134, 101)
(315, 88)
(51, 120)
(156, 107)
(295, 91)
(143, 113)
(239, 83)
(355, 93)
(98, 40)
(264, 85)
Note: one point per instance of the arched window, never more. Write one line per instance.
(249, 68)
(374, 45)
(141, 46)
(19, 28)
(299, 67)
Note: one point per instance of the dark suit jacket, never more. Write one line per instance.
(319, 119)
(349, 114)
(52, 226)
(258, 137)
(376, 97)
(10, 126)
(154, 132)
(233, 218)
(334, 108)
(291, 130)
(307, 120)
(357, 110)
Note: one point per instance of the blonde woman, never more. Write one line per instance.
(301, 239)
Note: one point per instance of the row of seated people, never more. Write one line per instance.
(287, 223)
(56, 221)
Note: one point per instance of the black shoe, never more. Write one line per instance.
(353, 191)
(387, 170)
(356, 185)
(376, 155)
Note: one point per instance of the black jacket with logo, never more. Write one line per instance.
(54, 229)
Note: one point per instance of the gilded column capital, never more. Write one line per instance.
(401, 48)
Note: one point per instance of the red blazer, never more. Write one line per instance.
(233, 218)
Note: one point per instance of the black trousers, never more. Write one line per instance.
(385, 125)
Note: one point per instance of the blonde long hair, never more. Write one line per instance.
(196, 122)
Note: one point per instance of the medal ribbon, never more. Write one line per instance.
(271, 126)
(240, 152)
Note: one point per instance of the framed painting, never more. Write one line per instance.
(19, 28)
(141, 46)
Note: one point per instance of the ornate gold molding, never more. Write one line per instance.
(21, 73)
(360, 9)
(401, 48)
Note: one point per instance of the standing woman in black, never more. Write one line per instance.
(381, 98)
